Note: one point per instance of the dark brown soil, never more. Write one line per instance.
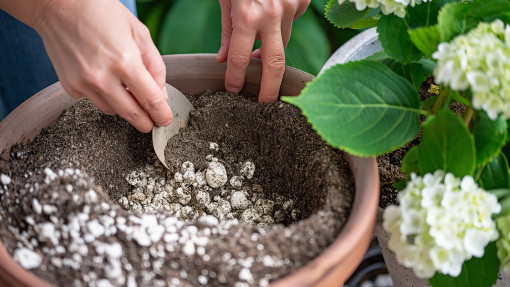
(99, 151)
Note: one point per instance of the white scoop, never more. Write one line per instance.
(180, 109)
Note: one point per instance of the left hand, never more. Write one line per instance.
(244, 21)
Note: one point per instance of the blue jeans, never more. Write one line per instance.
(25, 68)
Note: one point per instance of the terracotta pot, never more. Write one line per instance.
(195, 74)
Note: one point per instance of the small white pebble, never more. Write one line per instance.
(216, 174)
(246, 275)
(27, 258)
(36, 206)
(5, 179)
(214, 146)
(236, 181)
(238, 201)
(247, 169)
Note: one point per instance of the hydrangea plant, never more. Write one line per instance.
(452, 225)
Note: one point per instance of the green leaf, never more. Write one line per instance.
(446, 144)
(395, 40)
(428, 102)
(343, 15)
(399, 185)
(361, 107)
(410, 161)
(490, 137)
(379, 56)
(191, 27)
(476, 272)
(365, 23)
(308, 47)
(495, 174)
(426, 39)
(425, 14)
(458, 18)
(415, 72)
(155, 17)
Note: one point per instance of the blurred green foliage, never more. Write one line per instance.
(194, 26)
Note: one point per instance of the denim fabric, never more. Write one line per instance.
(25, 68)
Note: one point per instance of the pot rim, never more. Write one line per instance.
(332, 266)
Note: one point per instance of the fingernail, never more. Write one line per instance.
(165, 92)
(232, 90)
(167, 123)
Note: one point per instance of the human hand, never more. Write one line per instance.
(244, 21)
(100, 51)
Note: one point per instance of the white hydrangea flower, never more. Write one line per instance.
(397, 7)
(479, 60)
(441, 222)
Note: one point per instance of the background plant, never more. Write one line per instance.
(372, 107)
(184, 26)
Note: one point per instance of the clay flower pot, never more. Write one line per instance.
(194, 74)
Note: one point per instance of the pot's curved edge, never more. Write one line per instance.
(359, 47)
(213, 75)
(38, 107)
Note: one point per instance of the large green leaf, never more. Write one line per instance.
(426, 39)
(154, 18)
(361, 107)
(476, 272)
(458, 18)
(395, 40)
(308, 47)
(344, 15)
(191, 27)
(446, 144)
(490, 136)
(494, 175)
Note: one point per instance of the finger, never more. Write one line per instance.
(150, 55)
(302, 9)
(273, 66)
(147, 93)
(128, 108)
(239, 53)
(226, 30)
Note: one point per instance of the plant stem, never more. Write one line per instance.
(440, 100)
(468, 115)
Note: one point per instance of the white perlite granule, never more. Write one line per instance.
(5, 179)
(188, 194)
(27, 258)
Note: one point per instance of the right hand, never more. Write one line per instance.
(102, 52)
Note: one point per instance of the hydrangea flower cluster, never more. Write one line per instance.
(479, 59)
(441, 222)
(397, 7)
